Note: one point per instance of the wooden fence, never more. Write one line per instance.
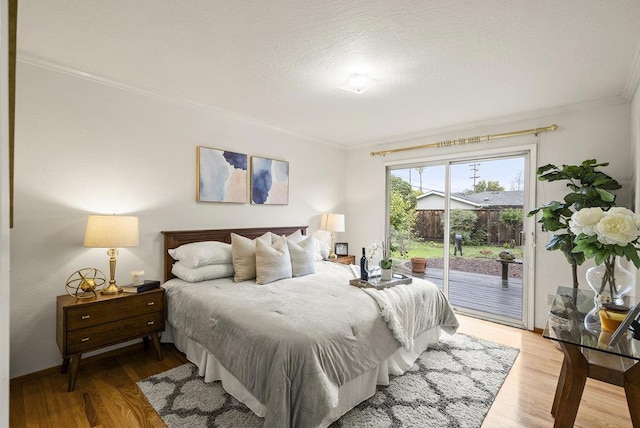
(428, 226)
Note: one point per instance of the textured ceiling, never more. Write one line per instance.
(437, 63)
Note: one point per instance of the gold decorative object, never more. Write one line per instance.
(83, 283)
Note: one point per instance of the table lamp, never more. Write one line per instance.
(112, 232)
(332, 223)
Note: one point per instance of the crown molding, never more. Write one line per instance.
(158, 95)
(536, 114)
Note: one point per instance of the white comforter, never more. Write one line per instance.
(294, 342)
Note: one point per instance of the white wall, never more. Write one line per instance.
(4, 217)
(602, 133)
(83, 147)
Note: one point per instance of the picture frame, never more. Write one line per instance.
(221, 176)
(342, 249)
(624, 325)
(269, 181)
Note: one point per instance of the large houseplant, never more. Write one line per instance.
(588, 187)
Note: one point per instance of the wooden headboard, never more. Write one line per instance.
(173, 239)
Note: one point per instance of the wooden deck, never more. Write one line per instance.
(480, 292)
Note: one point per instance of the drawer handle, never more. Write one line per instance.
(86, 317)
(84, 339)
(150, 323)
(151, 303)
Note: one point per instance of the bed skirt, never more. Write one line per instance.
(350, 394)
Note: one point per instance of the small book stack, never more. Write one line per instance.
(148, 285)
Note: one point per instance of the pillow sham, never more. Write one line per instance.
(202, 273)
(273, 261)
(204, 253)
(243, 251)
(303, 257)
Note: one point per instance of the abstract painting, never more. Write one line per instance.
(269, 181)
(221, 176)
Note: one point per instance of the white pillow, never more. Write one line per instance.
(296, 236)
(303, 258)
(243, 251)
(204, 253)
(202, 273)
(323, 244)
(273, 261)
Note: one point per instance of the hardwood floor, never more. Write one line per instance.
(106, 394)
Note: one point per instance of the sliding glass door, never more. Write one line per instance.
(466, 216)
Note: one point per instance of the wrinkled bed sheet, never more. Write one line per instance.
(292, 343)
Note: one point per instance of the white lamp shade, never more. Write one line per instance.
(332, 222)
(111, 231)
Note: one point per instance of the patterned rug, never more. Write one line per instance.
(452, 384)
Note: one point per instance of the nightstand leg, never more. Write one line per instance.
(145, 342)
(75, 365)
(65, 365)
(156, 345)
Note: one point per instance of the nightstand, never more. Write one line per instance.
(345, 260)
(90, 324)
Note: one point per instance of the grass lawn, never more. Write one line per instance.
(430, 249)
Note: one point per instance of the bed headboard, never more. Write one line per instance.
(173, 239)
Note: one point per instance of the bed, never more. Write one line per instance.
(299, 351)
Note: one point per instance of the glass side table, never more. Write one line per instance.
(587, 353)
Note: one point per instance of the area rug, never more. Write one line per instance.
(452, 384)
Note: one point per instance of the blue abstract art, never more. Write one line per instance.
(269, 181)
(221, 176)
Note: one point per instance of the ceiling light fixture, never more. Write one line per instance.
(357, 83)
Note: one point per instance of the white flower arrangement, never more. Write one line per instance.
(602, 234)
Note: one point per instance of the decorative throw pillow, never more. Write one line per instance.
(273, 261)
(296, 236)
(303, 258)
(243, 251)
(204, 253)
(202, 273)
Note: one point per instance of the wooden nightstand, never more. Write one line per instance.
(345, 260)
(87, 325)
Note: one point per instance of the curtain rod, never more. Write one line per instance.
(468, 140)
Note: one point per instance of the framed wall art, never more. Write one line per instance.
(221, 176)
(269, 181)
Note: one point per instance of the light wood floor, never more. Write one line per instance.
(106, 394)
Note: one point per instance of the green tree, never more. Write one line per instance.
(461, 222)
(402, 214)
(488, 186)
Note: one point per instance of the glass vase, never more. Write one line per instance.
(610, 281)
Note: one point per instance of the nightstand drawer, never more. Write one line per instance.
(105, 334)
(83, 316)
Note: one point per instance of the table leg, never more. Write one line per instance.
(576, 372)
(75, 365)
(505, 274)
(559, 387)
(632, 391)
(65, 365)
(156, 346)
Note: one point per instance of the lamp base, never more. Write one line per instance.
(111, 289)
(333, 255)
